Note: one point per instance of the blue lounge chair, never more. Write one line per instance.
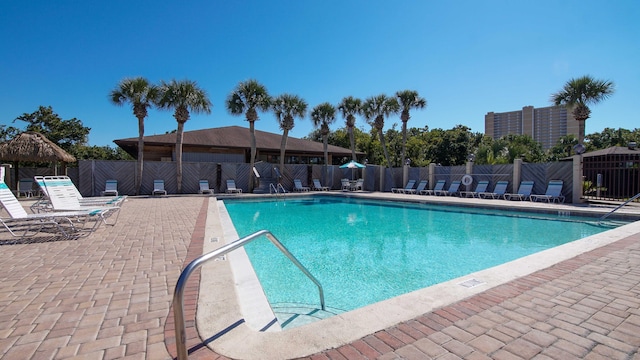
(25, 187)
(204, 187)
(553, 193)
(439, 187)
(421, 186)
(498, 191)
(318, 187)
(481, 187)
(453, 189)
(110, 188)
(406, 189)
(231, 187)
(158, 188)
(297, 186)
(523, 193)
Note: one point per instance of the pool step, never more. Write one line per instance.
(291, 315)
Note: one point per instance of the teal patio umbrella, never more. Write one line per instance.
(352, 165)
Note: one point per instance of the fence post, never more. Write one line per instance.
(517, 174)
(432, 175)
(577, 179)
(469, 171)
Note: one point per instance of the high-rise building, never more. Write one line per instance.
(545, 125)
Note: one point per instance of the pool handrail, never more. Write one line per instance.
(178, 294)
(619, 206)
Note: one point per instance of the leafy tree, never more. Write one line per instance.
(141, 95)
(322, 116)
(393, 139)
(508, 148)
(449, 147)
(68, 134)
(102, 153)
(350, 107)
(8, 132)
(184, 96)
(375, 109)
(563, 147)
(286, 108)
(580, 92)
(611, 137)
(408, 100)
(248, 97)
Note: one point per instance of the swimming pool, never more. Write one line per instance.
(365, 251)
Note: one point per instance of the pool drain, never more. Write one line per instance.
(471, 283)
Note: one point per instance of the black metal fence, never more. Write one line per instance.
(611, 177)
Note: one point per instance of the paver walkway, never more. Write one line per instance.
(108, 296)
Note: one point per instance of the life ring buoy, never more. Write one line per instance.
(467, 180)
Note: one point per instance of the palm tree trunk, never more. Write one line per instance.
(404, 142)
(138, 179)
(352, 140)
(325, 144)
(386, 156)
(179, 156)
(283, 146)
(581, 129)
(252, 161)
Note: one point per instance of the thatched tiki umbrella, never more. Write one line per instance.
(33, 146)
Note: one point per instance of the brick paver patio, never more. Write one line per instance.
(108, 296)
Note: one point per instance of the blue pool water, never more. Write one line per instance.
(365, 251)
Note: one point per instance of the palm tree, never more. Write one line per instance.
(287, 107)
(577, 93)
(184, 96)
(374, 110)
(322, 116)
(248, 97)
(408, 99)
(142, 95)
(350, 107)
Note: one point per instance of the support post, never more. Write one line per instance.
(576, 197)
(517, 174)
(432, 175)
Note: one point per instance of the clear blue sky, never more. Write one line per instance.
(465, 57)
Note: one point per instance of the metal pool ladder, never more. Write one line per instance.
(619, 206)
(275, 189)
(178, 294)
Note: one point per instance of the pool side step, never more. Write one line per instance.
(291, 315)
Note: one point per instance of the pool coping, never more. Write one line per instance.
(231, 328)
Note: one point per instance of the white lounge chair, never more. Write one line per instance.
(406, 189)
(439, 187)
(22, 225)
(231, 187)
(204, 187)
(297, 186)
(523, 193)
(110, 188)
(553, 193)
(358, 185)
(44, 204)
(481, 187)
(498, 191)
(62, 195)
(158, 188)
(346, 185)
(318, 187)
